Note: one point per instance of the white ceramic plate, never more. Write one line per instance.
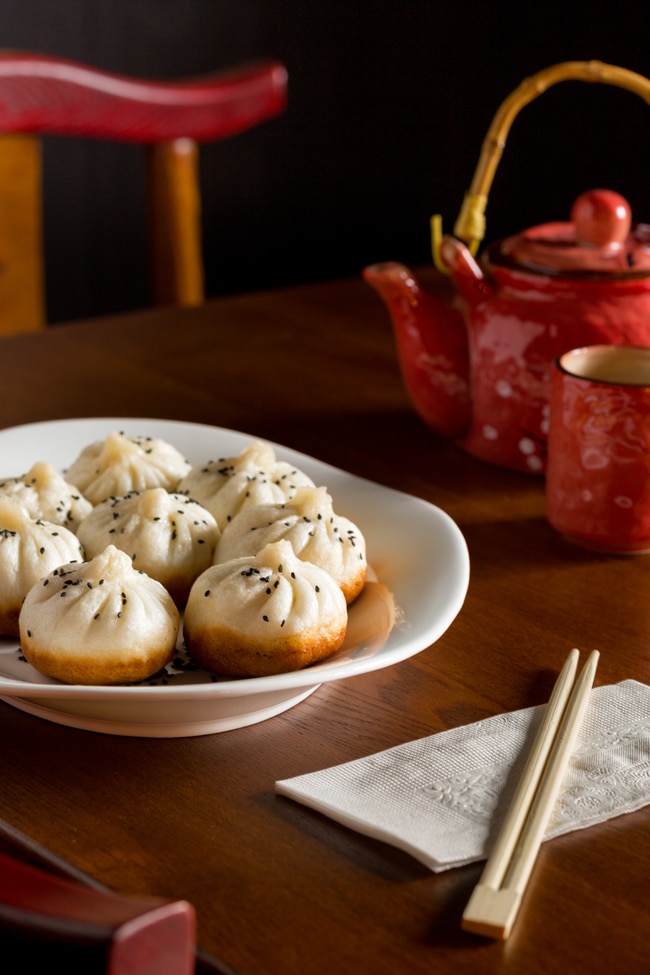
(415, 549)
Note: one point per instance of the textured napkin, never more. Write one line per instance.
(442, 798)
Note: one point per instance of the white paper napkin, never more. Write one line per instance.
(442, 798)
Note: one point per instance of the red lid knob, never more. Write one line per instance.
(602, 218)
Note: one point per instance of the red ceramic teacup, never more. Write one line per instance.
(598, 471)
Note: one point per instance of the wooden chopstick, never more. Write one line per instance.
(494, 904)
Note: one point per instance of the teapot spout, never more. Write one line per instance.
(432, 347)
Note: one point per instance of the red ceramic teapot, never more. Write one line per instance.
(479, 368)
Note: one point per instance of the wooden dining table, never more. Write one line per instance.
(279, 888)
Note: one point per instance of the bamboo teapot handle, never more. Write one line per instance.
(470, 225)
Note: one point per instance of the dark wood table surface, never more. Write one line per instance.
(277, 887)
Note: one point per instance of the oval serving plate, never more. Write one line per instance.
(416, 551)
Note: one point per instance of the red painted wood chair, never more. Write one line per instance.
(42, 95)
(46, 919)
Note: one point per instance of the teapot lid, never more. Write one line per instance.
(599, 240)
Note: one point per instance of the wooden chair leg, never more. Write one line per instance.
(176, 223)
(22, 277)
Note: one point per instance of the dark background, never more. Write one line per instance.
(389, 103)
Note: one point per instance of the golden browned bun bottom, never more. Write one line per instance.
(111, 668)
(353, 586)
(230, 654)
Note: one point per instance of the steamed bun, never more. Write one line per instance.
(316, 533)
(99, 622)
(119, 464)
(254, 477)
(168, 535)
(44, 493)
(29, 549)
(267, 614)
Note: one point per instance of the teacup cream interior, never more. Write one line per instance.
(625, 365)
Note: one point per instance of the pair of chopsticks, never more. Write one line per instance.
(492, 909)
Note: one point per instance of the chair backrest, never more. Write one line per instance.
(46, 95)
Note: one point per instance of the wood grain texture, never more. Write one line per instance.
(276, 886)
